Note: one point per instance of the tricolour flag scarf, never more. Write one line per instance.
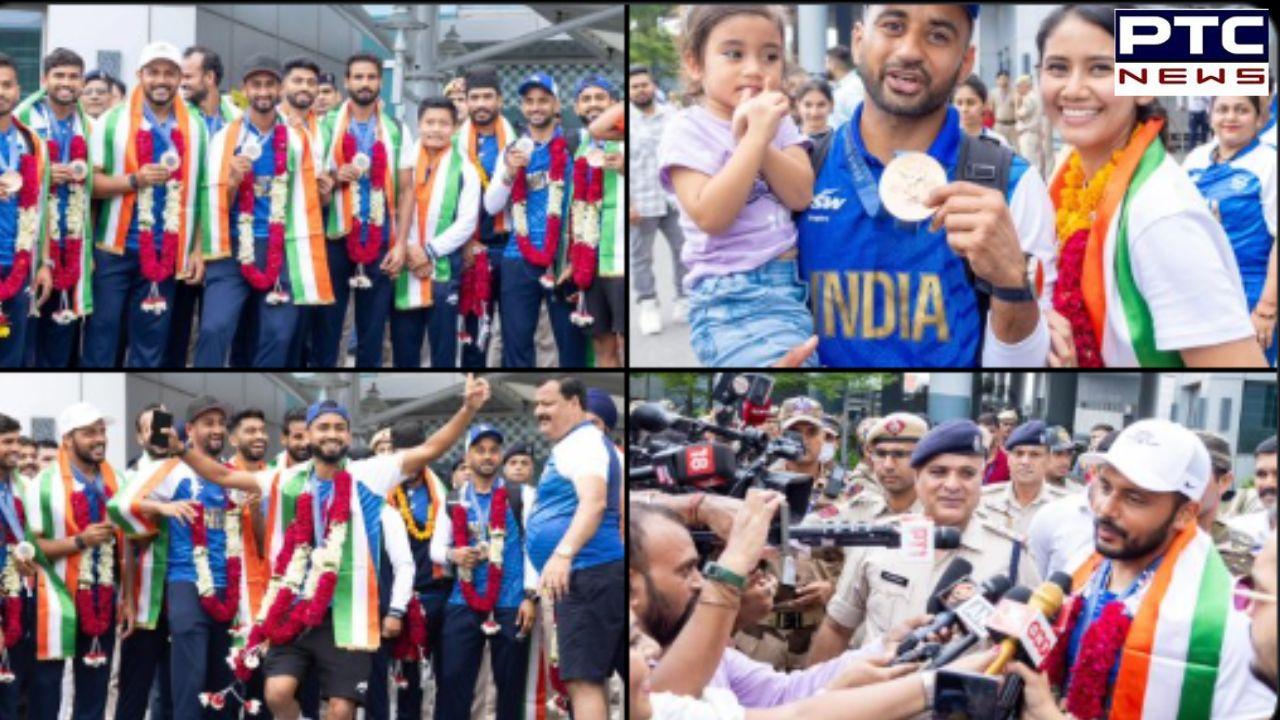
(114, 150)
(49, 517)
(253, 581)
(468, 139)
(436, 198)
(40, 151)
(1169, 662)
(1138, 162)
(32, 113)
(306, 258)
(356, 625)
(151, 569)
(609, 255)
(391, 133)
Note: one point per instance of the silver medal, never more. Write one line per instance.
(906, 183)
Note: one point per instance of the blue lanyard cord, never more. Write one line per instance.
(13, 150)
(482, 518)
(10, 510)
(864, 183)
(317, 515)
(94, 492)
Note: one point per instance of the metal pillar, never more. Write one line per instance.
(811, 37)
(501, 48)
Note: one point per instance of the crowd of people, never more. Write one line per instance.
(166, 225)
(768, 184)
(1135, 522)
(222, 580)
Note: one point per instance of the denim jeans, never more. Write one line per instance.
(750, 319)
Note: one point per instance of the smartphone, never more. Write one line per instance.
(160, 421)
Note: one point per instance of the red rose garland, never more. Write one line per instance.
(27, 199)
(588, 188)
(1068, 299)
(263, 280)
(410, 646)
(475, 292)
(93, 603)
(66, 255)
(1099, 652)
(497, 521)
(221, 609)
(12, 602)
(520, 195)
(365, 253)
(159, 270)
(284, 620)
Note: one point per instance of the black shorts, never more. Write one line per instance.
(343, 673)
(591, 624)
(607, 303)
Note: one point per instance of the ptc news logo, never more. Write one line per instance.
(1191, 52)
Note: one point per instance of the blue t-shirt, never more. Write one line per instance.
(583, 451)
(487, 150)
(883, 292)
(10, 521)
(540, 161)
(160, 137)
(182, 567)
(12, 148)
(478, 508)
(420, 509)
(264, 169)
(370, 509)
(1097, 596)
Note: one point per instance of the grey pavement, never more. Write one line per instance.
(669, 348)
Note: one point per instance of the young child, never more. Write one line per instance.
(738, 167)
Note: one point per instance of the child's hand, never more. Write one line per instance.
(761, 113)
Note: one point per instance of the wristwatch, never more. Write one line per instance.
(715, 572)
(1014, 295)
(532, 596)
(133, 181)
(80, 544)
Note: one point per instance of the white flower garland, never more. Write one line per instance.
(10, 582)
(28, 224)
(279, 194)
(586, 223)
(200, 554)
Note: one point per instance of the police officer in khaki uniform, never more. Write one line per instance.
(877, 590)
(890, 442)
(1237, 548)
(1010, 506)
(863, 473)
(1061, 459)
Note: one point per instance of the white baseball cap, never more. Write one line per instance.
(160, 51)
(1160, 456)
(79, 415)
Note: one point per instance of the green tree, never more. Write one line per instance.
(648, 41)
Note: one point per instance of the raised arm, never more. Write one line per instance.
(209, 468)
(475, 394)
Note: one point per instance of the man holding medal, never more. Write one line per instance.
(597, 255)
(55, 114)
(20, 646)
(532, 183)
(148, 156)
(903, 255)
(24, 187)
(263, 209)
(370, 155)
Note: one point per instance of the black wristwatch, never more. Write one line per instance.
(1014, 295)
(80, 544)
(133, 181)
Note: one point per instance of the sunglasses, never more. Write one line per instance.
(1245, 596)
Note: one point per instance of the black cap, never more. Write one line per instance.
(957, 437)
(483, 76)
(518, 449)
(262, 63)
(328, 78)
(1031, 432)
(204, 404)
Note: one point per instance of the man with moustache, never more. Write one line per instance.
(293, 436)
(606, 297)
(910, 58)
(28, 458)
(23, 157)
(263, 233)
(365, 258)
(55, 114)
(81, 475)
(1011, 505)
(131, 280)
(13, 531)
(343, 642)
(202, 74)
(529, 264)
(474, 606)
(482, 137)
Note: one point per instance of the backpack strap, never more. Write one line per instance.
(983, 161)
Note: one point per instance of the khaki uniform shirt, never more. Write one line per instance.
(1000, 508)
(877, 589)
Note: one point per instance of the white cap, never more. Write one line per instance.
(1160, 456)
(160, 51)
(79, 415)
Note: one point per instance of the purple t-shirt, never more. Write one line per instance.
(700, 141)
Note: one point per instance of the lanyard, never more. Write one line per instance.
(62, 131)
(165, 128)
(94, 491)
(13, 150)
(318, 516)
(864, 183)
(482, 518)
(366, 132)
(9, 510)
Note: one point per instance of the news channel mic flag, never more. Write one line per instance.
(1176, 51)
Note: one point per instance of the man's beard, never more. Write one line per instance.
(297, 104)
(330, 459)
(356, 97)
(86, 456)
(197, 95)
(251, 454)
(265, 104)
(161, 103)
(544, 123)
(660, 619)
(1132, 551)
(482, 116)
(304, 454)
(212, 447)
(58, 95)
(923, 107)
(643, 104)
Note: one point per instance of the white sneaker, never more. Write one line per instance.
(680, 311)
(650, 319)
